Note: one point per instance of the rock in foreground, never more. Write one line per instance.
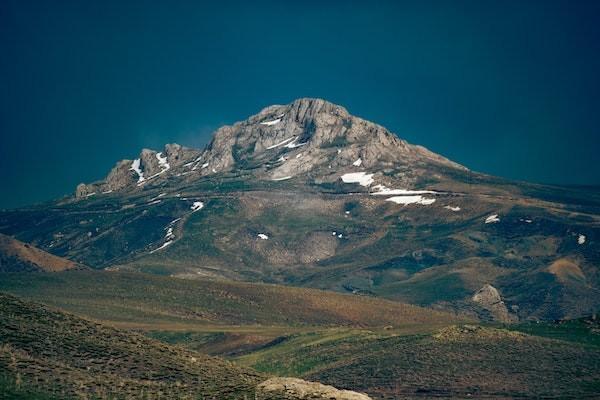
(298, 389)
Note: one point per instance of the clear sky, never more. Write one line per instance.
(510, 88)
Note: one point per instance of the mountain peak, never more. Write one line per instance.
(308, 136)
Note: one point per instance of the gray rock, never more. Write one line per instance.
(298, 389)
(311, 138)
(489, 299)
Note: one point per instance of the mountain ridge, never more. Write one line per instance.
(325, 134)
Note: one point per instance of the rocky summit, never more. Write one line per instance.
(311, 139)
(306, 194)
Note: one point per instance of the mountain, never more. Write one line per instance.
(306, 194)
(16, 256)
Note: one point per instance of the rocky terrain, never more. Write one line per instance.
(306, 194)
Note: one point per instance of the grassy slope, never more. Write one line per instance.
(144, 300)
(424, 255)
(68, 356)
(456, 362)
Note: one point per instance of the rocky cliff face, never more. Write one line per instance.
(489, 299)
(311, 138)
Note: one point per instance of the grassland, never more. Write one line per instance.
(66, 356)
(385, 349)
(143, 300)
(455, 362)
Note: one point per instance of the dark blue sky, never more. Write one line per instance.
(507, 88)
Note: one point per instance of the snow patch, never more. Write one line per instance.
(198, 205)
(204, 165)
(381, 190)
(135, 166)
(492, 219)
(361, 178)
(154, 202)
(581, 239)
(107, 191)
(162, 161)
(357, 163)
(280, 143)
(452, 208)
(273, 122)
(282, 159)
(165, 244)
(283, 178)
(405, 200)
(293, 144)
(263, 236)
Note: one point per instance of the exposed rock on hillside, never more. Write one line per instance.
(489, 299)
(298, 389)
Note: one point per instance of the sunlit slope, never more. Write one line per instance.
(455, 362)
(149, 300)
(67, 356)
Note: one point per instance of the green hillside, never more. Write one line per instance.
(463, 361)
(66, 356)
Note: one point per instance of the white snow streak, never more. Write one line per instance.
(492, 219)
(357, 163)
(165, 244)
(280, 143)
(581, 239)
(411, 200)
(198, 205)
(293, 144)
(269, 123)
(263, 236)
(361, 178)
(283, 178)
(135, 166)
(452, 208)
(384, 191)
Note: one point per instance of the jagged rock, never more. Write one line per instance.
(489, 299)
(319, 129)
(82, 190)
(298, 389)
(309, 137)
(120, 176)
(178, 155)
(149, 163)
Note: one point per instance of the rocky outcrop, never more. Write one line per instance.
(326, 135)
(298, 389)
(490, 300)
(152, 165)
(309, 137)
